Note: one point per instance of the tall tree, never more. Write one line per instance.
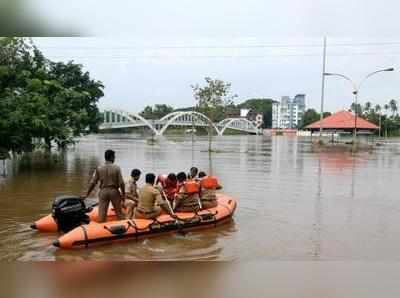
(43, 100)
(212, 100)
(393, 107)
(310, 116)
(367, 106)
(378, 110)
(357, 109)
(386, 107)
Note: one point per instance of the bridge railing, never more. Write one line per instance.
(121, 119)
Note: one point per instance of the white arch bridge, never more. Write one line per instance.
(114, 119)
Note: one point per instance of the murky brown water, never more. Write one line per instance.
(293, 203)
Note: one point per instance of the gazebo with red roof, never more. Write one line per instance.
(343, 121)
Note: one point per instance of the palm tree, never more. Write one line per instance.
(356, 108)
(378, 110)
(367, 106)
(386, 107)
(393, 106)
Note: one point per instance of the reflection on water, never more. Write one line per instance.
(293, 203)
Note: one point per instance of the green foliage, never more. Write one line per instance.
(393, 107)
(310, 116)
(156, 112)
(356, 108)
(388, 118)
(214, 99)
(43, 101)
(327, 114)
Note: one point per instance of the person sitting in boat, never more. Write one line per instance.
(193, 173)
(151, 201)
(168, 185)
(187, 198)
(208, 187)
(132, 196)
(161, 179)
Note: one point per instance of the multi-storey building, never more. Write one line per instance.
(288, 113)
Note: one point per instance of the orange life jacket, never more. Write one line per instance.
(209, 182)
(191, 187)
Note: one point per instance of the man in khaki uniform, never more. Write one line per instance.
(151, 201)
(111, 187)
(132, 195)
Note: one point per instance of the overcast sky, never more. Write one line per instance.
(151, 52)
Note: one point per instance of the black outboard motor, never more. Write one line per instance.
(69, 212)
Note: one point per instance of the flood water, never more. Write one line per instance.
(293, 203)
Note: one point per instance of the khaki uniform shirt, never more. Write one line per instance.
(132, 190)
(109, 176)
(149, 198)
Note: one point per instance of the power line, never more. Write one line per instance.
(221, 56)
(221, 46)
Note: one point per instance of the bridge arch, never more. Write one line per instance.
(172, 117)
(229, 123)
(165, 118)
(130, 117)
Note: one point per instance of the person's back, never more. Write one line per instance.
(161, 180)
(209, 185)
(111, 187)
(171, 185)
(109, 175)
(187, 198)
(150, 200)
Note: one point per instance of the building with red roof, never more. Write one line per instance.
(343, 121)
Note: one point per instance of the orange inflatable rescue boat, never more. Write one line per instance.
(94, 233)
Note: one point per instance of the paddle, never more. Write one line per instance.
(199, 201)
(180, 228)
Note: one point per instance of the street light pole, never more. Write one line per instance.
(322, 91)
(356, 90)
(355, 113)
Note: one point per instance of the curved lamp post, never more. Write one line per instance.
(356, 90)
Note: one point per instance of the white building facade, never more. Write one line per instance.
(289, 112)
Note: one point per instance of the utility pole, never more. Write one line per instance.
(322, 91)
(355, 114)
